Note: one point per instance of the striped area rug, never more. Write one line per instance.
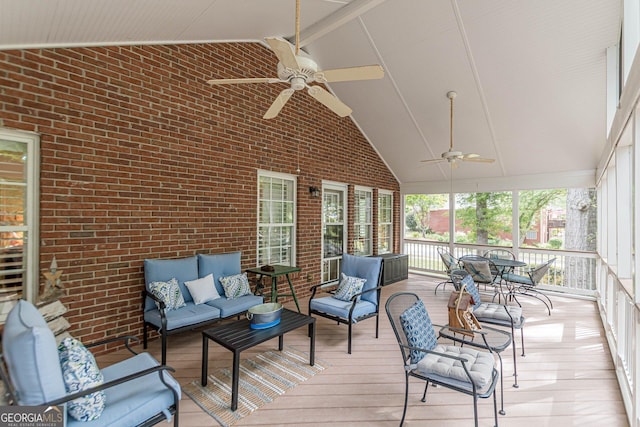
(262, 378)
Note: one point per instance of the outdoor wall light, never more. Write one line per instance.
(314, 191)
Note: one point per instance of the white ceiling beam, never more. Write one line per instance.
(343, 15)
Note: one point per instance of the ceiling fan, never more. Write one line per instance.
(299, 70)
(452, 156)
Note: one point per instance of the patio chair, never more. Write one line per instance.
(135, 391)
(483, 271)
(493, 313)
(500, 254)
(527, 285)
(450, 263)
(462, 369)
(355, 297)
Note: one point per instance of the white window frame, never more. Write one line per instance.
(292, 225)
(389, 225)
(31, 224)
(367, 224)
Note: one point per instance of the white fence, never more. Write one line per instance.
(423, 256)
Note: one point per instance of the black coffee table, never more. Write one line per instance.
(238, 336)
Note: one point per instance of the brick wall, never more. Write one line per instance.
(140, 158)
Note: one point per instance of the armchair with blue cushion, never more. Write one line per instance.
(353, 300)
(135, 391)
(458, 368)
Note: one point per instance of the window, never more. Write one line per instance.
(426, 217)
(19, 157)
(362, 222)
(276, 218)
(558, 219)
(385, 222)
(484, 218)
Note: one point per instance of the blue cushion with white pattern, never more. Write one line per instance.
(235, 286)
(348, 287)
(169, 292)
(418, 329)
(80, 372)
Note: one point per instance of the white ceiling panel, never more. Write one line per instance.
(530, 75)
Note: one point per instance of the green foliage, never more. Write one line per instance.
(418, 207)
(485, 215)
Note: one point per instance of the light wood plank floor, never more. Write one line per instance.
(566, 379)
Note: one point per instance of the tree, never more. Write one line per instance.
(419, 207)
(580, 234)
(530, 205)
(485, 215)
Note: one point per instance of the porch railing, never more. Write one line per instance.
(572, 271)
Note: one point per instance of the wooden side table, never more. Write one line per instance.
(278, 270)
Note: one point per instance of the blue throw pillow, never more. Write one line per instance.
(80, 372)
(348, 287)
(418, 329)
(236, 286)
(169, 292)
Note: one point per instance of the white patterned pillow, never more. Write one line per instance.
(235, 286)
(348, 287)
(80, 372)
(169, 292)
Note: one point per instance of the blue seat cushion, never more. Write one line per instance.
(480, 365)
(368, 268)
(220, 265)
(517, 278)
(134, 401)
(31, 354)
(230, 307)
(188, 315)
(336, 307)
(498, 314)
(163, 270)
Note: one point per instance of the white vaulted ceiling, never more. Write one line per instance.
(530, 74)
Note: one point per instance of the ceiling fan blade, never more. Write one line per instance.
(432, 160)
(278, 103)
(284, 52)
(236, 81)
(330, 101)
(478, 159)
(366, 72)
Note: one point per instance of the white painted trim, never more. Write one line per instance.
(32, 214)
(574, 179)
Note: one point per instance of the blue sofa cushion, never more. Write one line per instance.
(31, 354)
(230, 307)
(336, 307)
(80, 372)
(368, 268)
(191, 314)
(162, 270)
(135, 401)
(220, 265)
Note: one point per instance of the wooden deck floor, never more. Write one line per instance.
(566, 379)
